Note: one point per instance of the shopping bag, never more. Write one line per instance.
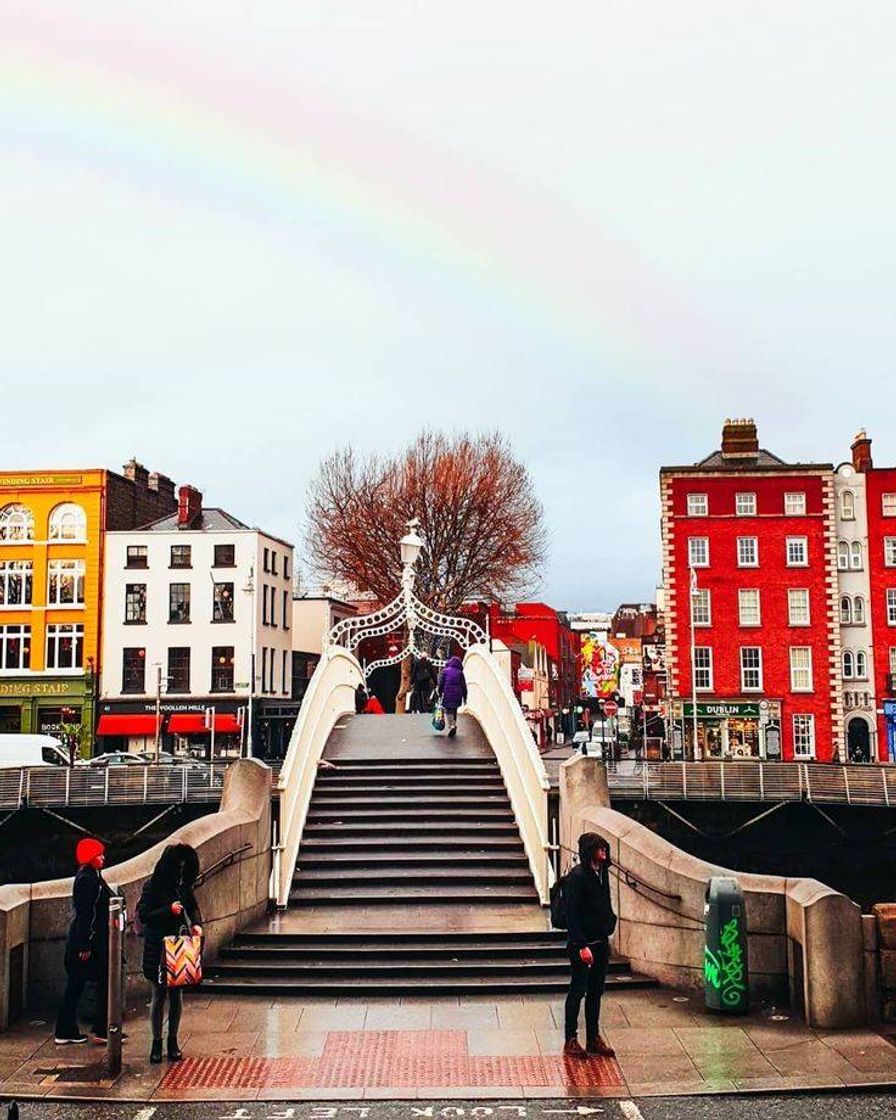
(181, 961)
(438, 719)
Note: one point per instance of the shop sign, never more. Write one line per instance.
(168, 707)
(41, 688)
(723, 710)
(890, 709)
(18, 481)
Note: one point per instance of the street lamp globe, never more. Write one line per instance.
(411, 544)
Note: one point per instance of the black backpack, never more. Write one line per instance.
(559, 904)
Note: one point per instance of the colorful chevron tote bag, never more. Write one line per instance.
(182, 961)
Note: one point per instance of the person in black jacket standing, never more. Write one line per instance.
(87, 944)
(591, 923)
(166, 907)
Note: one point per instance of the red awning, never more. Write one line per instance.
(193, 723)
(126, 725)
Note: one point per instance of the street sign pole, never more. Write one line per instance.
(115, 994)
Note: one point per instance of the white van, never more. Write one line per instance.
(31, 750)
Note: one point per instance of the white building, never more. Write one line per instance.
(313, 617)
(197, 626)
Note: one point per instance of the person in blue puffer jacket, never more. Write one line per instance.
(452, 692)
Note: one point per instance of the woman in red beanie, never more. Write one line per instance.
(87, 944)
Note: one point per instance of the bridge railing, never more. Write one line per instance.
(823, 783)
(86, 786)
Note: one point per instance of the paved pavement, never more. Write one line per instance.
(258, 1049)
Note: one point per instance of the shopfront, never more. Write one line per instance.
(890, 719)
(50, 706)
(186, 727)
(728, 730)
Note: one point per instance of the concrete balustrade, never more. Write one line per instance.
(806, 941)
(34, 919)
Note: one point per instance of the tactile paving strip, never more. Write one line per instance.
(356, 1059)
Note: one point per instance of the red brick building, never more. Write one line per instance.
(754, 537)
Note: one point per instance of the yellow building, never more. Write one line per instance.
(52, 530)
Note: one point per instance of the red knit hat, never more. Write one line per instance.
(88, 849)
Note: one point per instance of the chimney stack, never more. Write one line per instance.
(740, 440)
(861, 453)
(162, 484)
(189, 508)
(137, 473)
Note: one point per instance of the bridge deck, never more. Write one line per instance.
(408, 737)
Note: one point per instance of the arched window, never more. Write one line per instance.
(848, 505)
(849, 664)
(843, 556)
(68, 522)
(856, 555)
(858, 610)
(16, 523)
(845, 611)
(862, 665)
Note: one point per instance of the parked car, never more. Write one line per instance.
(31, 750)
(114, 758)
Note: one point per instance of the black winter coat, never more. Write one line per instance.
(89, 928)
(154, 913)
(590, 914)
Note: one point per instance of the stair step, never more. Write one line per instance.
(424, 986)
(450, 844)
(309, 860)
(410, 969)
(372, 798)
(412, 876)
(476, 788)
(404, 776)
(343, 940)
(402, 828)
(406, 764)
(395, 815)
(361, 955)
(396, 896)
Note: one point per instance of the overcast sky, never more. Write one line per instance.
(234, 235)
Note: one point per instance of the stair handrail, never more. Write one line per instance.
(330, 696)
(492, 702)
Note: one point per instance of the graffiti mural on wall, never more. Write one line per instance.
(600, 666)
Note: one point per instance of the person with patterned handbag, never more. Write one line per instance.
(172, 932)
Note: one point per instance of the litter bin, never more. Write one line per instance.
(725, 954)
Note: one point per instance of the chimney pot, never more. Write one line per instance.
(861, 452)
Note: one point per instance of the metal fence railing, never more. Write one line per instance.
(53, 786)
(753, 781)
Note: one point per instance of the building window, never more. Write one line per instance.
(698, 505)
(845, 610)
(701, 607)
(267, 559)
(284, 672)
(698, 552)
(66, 583)
(888, 505)
(264, 669)
(15, 647)
(65, 645)
(286, 569)
(273, 567)
(858, 611)
(179, 602)
(801, 669)
(16, 583)
(222, 669)
(890, 552)
(849, 665)
(133, 670)
(848, 505)
(273, 605)
(137, 556)
(797, 552)
(804, 736)
(223, 602)
(264, 604)
(843, 556)
(225, 556)
(893, 661)
(68, 522)
(751, 668)
(16, 523)
(798, 606)
(861, 665)
(178, 668)
(745, 505)
(747, 552)
(748, 607)
(795, 504)
(181, 556)
(891, 606)
(703, 668)
(856, 556)
(285, 606)
(135, 602)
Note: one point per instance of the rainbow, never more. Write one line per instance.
(286, 159)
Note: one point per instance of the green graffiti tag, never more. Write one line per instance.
(724, 970)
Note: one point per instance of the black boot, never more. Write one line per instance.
(175, 1054)
(155, 1054)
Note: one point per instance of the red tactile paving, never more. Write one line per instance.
(403, 1059)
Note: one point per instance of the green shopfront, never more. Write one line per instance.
(729, 730)
(46, 705)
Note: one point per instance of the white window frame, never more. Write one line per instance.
(701, 607)
(695, 545)
(861, 665)
(68, 522)
(858, 611)
(856, 560)
(741, 542)
(848, 505)
(888, 505)
(801, 675)
(849, 665)
(56, 633)
(698, 505)
(890, 552)
(803, 735)
(805, 599)
(745, 669)
(16, 571)
(845, 610)
(745, 504)
(16, 524)
(792, 542)
(704, 653)
(795, 503)
(15, 631)
(757, 598)
(842, 556)
(893, 661)
(56, 571)
(891, 606)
